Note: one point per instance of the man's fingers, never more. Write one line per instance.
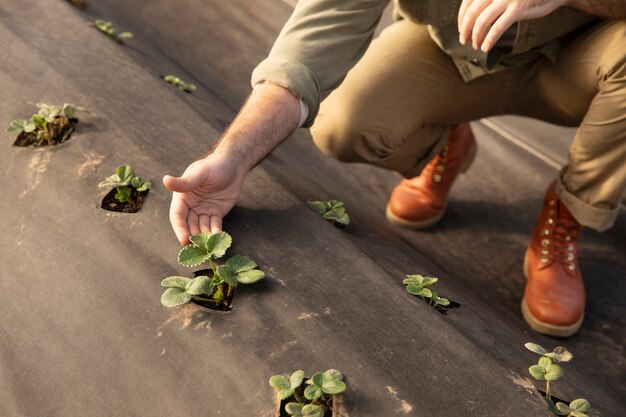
(178, 219)
(464, 5)
(498, 28)
(469, 18)
(216, 224)
(178, 184)
(205, 223)
(193, 223)
(485, 19)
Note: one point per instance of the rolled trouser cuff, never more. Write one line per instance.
(596, 218)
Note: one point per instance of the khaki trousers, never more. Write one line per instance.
(396, 106)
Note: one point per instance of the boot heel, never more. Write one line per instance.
(471, 155)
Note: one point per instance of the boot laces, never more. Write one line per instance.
(437, 165)
(563, 246)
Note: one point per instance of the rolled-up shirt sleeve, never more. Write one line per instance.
(318, 45)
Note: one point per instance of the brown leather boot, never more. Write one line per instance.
(554, 297)
(420, 202)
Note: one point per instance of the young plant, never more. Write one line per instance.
(177, 82)
(332, 210)
(209, 247)
(123, 180)
(577, 408)
(108, 29)
(416, 285)
(47, 123)
(314, 400)
(547, 370)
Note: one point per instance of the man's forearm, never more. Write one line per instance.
(602, 8)
(268, 117)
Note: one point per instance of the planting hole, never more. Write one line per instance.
(61, 130)
(135, 203)
(214, 305)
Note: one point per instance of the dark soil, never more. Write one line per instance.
(326, 401)
(134, 204)
(214, 305)
(61, 131)
(442, 309)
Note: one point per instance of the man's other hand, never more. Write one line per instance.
(477, 16)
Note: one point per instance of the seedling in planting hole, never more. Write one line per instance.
(177, 82)
(416, 285)
(548, 370)
(123, 179)
(108, 29)
(321, 388)
(47, 123)
(209, 247)
(577, 408)
(332, 210)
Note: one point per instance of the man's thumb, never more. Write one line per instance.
(178, 184)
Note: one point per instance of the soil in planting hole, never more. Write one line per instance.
(442, 309)
(135, 203)
(214, 305)
(326, 401)
(60, 131)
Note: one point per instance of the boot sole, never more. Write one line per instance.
(543, 327)
(422, 224)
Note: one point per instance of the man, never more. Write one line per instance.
(405, 105)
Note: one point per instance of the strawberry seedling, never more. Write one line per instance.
(331, 210)
(108, 29)
(51, 125)
(547, 369)
(309, 397)
(177, 82)
(214, 290)
(417, 285)
(130, 190)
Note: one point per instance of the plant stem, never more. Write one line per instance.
(297, 397)
(229, 293)
(548, 389)
(213, 267)
(198, 298)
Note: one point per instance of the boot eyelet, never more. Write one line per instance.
(570, 256)
(546, 232)
(544, 259)
(550, 221)
(436, 178)
(545, 242)
(572, 267)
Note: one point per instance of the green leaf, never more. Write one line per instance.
(414, 289)
(294, 409)
(426, 293)
(553, 372)
(282, 387)
(173, 297)
(333, 373)
(38, 120)
(537, 372)
(227, 275)
(176, 282)
(313, 392)
(317, 379)
(191, 256)
(563, 408)
(17, 125)
(200, 285)
(240, 263)
(318, 206)
(533, 347)
(544, 362)
(552, 407)
(296, 378)
(333, 386)
(312, 410)
(249, 277)
(123, 194)
(69, 110)
(125, 173)
(125, 35)
(581, 405)
(214, 244)
(279, 382)
(145, 185)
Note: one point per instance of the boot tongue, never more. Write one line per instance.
(565, 217)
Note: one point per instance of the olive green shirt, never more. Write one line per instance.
(323, 39)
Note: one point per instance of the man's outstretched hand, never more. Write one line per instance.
(484, 21)
(203, 195)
